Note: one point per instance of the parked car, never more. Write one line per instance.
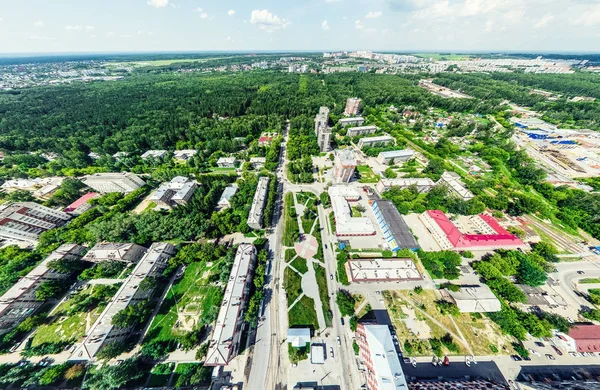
(330, 276)
(558, 351)
(539, 344)
(516, 358)
(339, 341)
(551, 357)
(331, 351)
(580, 272)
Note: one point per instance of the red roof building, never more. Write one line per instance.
(501, 239)
(587, 337)
(81, 204)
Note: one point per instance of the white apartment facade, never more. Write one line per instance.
(255, 218)
(26, 221)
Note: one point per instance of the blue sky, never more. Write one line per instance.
(402, 25)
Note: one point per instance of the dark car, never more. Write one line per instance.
(539, 344)
(558, 351)
(516, 358)
(342, 319)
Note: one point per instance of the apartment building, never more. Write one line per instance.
(255, 218)
(226, 162)
(20, 301)
(225, 339)
(103, 332)
(371, 141)
(352, 106)
(26, 221)
(105, 251)
(322, 129)
(124, 182)
(177, 192)
(355, 121)
(395, 156)
(361, 130)
(344, 165)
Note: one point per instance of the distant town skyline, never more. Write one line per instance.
(36, 26)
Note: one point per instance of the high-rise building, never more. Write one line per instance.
(103, 331)
(20, 301)
(344, 165)
(25, 221)
(124, 182)
(255, 218)
(322, 129)
(227, 333)
(378, 352)
(352, 106)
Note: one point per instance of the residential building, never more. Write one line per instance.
(352, 106)
(103, 332)
(40, 188)
(422, 184)
(225, 200)
(344, 165)
(473, 299)
(372, 141)
(266, 138)
(156, 154)
(395, 156)
(581, 338)
(108, 251)
(345, 223)
(25, 221)
(20, 301)
(184, 155)
(359, 120)
(455, 186)
(124, 182)
(298, 337)
(177, 192)
(82, 204)
(456, 384)
(375, 270)
(361, 130)
(395, 230)
(120, 155)
(322, 129)
(449, 237)
(257, 162)
(226, 162)
(255, 218)
(225, 340)
(378, 353)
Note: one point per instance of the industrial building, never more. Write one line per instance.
(395, 156)
(473, 299)
(226, 162)
(20, 301)
(255, 218)
(344, 164)
(156, 154)
(124, 182)
(455, 186)
(103, 332)
(345, 223)
(371, 141)
(109, 251)
(379, 355)
(362, 130)
(225, 200)
(358, 121)
(224, 343)
(177, 192)
(322, 129)
(382, 270)
(422, 184)
(82, 204)
(449, 237)
(395, 230)
(26, 221)
(352, 106)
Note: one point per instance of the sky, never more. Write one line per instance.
(45, 26)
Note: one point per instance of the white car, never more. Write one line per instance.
(331, 351)
(339, 341)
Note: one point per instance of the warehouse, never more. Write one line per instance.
(394, 228)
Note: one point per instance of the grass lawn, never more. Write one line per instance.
(223, 170)
(290, 225)
(64, 327)
(302, 197)
(160, 374)
(322, 283)
(589, 280)
(332, 222)
(307, 224)
(292, 283)
(366, 174)
(303, 313)
(300, 265)
(191, 296)
(289, 255)
(355, 212)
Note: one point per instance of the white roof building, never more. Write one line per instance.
(345, 224)
(154, 154)
(361, 130)
(423, 184)
(225, 340)
(456, 186)
(184, 155)
(255, 218)
(370, 141)
(298, 337)
(359, 120)
(226, 162)
(25, 221)
(176, 192)
(378, 352)
(258, 162)
(124, 182)
(105, 251)
(475, 299)
(395, 156)
(228, 192)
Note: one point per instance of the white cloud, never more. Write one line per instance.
(332, 1)
(41, 38)
(358, 25)
(38, 23)
(544, 20)
(267, 21)
(325, 25)
(198, 9)
(89, 28)
(78, 27)
(111, 34)
(373, 15)
(204, 15)
(590, 17)
(489, 26)
(158, 3)
(231, 12)
(126, 36)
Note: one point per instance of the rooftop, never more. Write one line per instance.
(396, 224)
(81, 201)
(298, 337)
(346, 156)
(112, 251)
(397, 153)
(345, 224)
(385, 362)
(476, 299)
(383, 270)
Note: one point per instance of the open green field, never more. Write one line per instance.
(366, 174)
(303, 313)
(186, 302)
(292, 283)
(300, 265)
(323, 293)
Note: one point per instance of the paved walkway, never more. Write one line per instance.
(311, 289)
